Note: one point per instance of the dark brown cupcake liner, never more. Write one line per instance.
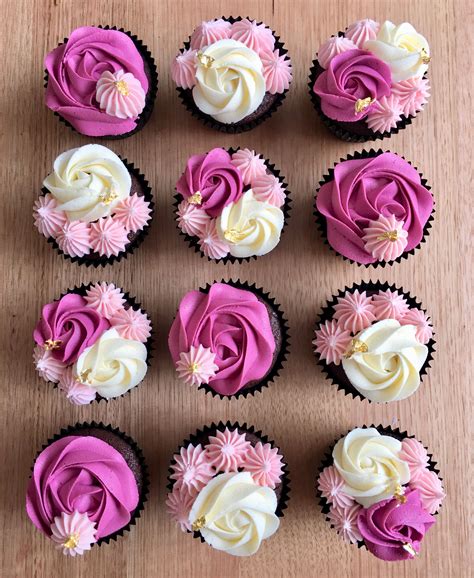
(321, 221)
(335, 373)
(201, 436)
(135, 305)
(193, 241)
(328, 461)
(152, 75)
(242, 126)
(97, 260)
(85, 429)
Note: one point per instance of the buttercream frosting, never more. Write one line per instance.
(196, 366)
(385, 239)
(76, 392)
(422, 323)
(250, 164)
(265, 464)
(133, 212)
(132, 324)
(105, 298)
(48, 218)
(227, 450)
(74, 238)
(192, 470)
(211, 244)
(331, 341)
(332, 47)
(331, 484)
(344, 520)
(268, 189)
(430, 490)
(354, 311)
(277, 71)
(412, 94)
(389, 305)
(108, 237)
(47, 366)
(209, 32)
(257, 37)
(178, 505)
(120, 94)
(384, 114)
(361, 31)
(183, 69)
(415, 455)
(73, 533)
(192, 220)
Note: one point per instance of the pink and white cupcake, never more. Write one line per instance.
(95, 208)
(229, 485)
(233, 73)
(231, 205)
(93, 343)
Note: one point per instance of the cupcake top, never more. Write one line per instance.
(381, 491)
(231, 204)
(93, 205)
(374, 207)
(97, 81)
(93, 342)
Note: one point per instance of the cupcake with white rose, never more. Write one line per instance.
(93, 343)
(232, 73)
(370, 81)
(379, 488)
(374, 341)
(228, 485)
(95, 208)
(231, 205)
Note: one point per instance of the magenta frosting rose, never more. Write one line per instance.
(393, 531)
(73, 71)
(215, 177)
(351, 76)
(363, 189)
(235, 325)
(86, 474)
(68, 326)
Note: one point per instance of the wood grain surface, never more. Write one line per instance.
(301, 411)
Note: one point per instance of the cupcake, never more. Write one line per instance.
(229, 486)
(233, 73)
(230, 339)
(94, 208)
(379, 488)
(370, 81)
(94, 343)
(101, 82)
(374, 341)
(88, 486)
(231, 205)
(374, 208)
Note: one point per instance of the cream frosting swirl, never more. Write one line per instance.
(370, 465)
(234, 514)
(229, 81)
(387, 367)
(88, 182)
(250, 227)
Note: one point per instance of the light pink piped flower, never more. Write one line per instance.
(196, 366)
(183, 69)
(227, 450)
(108, 237)
(209, 32)
(415, 455)
(249, 164)
(76, 392)
(385, 239)
(132, 324)
(332, 47)
(430, 488)
(74, 238)
(120, 94)
(354, 311)
(361, 31)
(105, 298)
(265, 465)
(276, 71)
(389, 305)
(330, 484)
(211, 244)
(255, 36)
(384, 114)
(412, 93)
(192, 469)
(332, 341)
(178, 506)
(268, 188)
(192, 220)
(73, 533)
(344, 521)
(48, 367)
(133, 213)
(418, 318)
(48, 220)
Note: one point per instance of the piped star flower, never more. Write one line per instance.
(196, 366)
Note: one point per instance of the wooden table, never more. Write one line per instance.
(301, 411)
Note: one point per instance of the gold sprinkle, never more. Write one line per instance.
(399, 495)
(72, 541)
(195, 199)
(108, 196)
(199, 524)
(409, 548)
(362, 103)
(83, 377)
(424, 56)
(388, 235)
(122, 87)
(233, 235)
(357, 346)
(52, 344)
(204, 59)
(193, 367)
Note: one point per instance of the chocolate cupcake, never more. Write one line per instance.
(228, 485)
(374, 341)
(94, 208)
(94, 342)
(88, 486)
(231, 205)
(374, 208)
(233, 73)
(101, 82)
(379, 488)
(230, 339)
(370, 81)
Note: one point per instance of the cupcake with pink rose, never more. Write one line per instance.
(228, 485)
(232, 73)
(379, 488)
(374, 341)
(88, 486)
(374, 208)
(101, 82)
(93, 343)
(231, 205)
(95, 208)
(370, 81)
